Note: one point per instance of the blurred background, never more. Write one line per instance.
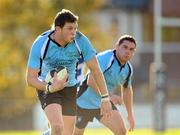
(102, 21)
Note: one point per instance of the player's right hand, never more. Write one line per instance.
(131, 123)
(57, 84)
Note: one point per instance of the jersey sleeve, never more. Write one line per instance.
(105, 59)
(102, 62)
(128, 81)
(34, 56)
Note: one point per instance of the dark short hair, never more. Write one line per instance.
(64, 16)
(128, 38)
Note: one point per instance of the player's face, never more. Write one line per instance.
(68, 32)
(125, 51)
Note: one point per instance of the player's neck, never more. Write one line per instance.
(58, 39)
(120, 60)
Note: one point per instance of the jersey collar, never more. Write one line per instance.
(119, 63)
(56, 43)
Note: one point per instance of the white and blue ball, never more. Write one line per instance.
(61, 74)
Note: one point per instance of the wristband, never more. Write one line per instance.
(105, 99)
(104, 95)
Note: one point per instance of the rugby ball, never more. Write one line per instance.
(61, 73)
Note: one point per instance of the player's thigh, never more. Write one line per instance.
(54, 113)
(114, 122)
(69, 101)
(69, 124)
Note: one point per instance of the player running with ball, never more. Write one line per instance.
(51, 50)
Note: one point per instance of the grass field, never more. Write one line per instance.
(101, 132)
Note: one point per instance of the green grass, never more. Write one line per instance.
(135, 132)
(101, 132)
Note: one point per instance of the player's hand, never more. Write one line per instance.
(117, 100)
(131, 123)
(57, 84)
(106, 109)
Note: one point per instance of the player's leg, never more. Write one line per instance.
(51, 104)
(69, 124)
(54, 115)
(83, 117)
(81, 123)
(115, 123)
(69, 109)
(79, 131)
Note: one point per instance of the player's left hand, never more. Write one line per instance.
(131, 123)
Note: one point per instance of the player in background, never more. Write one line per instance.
(117, 71)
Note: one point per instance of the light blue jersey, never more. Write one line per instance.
(115, 75)
(57, 56)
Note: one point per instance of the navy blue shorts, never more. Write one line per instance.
(65, 97)
(87, 115)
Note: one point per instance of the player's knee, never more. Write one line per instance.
(120, 131)
(57, 128)
(123, 132)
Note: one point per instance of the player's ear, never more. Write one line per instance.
(55, 74)
(58, 29)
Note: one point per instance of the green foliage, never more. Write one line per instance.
(21, 22)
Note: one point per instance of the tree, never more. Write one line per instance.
(21, 21)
